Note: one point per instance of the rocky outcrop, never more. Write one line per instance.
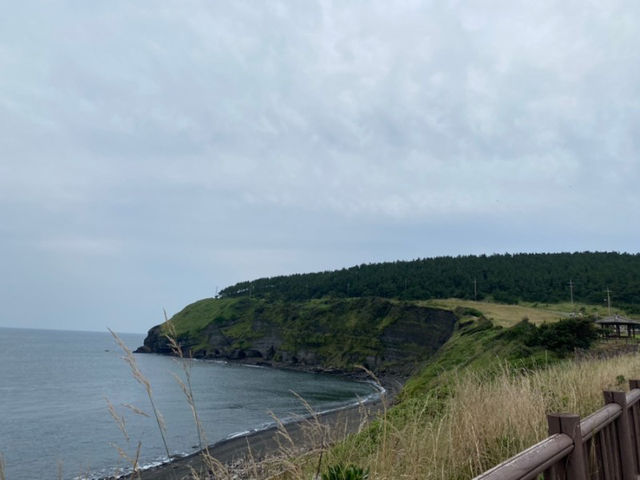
(382, 335)
(417, 334)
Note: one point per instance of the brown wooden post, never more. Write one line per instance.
(569, 424)
(634, 424)
(624, 434)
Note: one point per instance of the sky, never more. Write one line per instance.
(152, 153)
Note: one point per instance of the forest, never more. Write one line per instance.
(505, 278)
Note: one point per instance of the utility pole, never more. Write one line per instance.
(475, 289)
(609, 300)
(571, 290)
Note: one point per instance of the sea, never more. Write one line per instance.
(56, 388)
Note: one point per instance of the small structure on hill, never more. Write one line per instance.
(617, 326)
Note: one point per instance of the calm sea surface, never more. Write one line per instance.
(54, 388)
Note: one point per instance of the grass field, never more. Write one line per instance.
(508, 315)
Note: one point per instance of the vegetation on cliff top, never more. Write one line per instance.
(344, 318)
(542, 277)
(387, 336)
(380, 334)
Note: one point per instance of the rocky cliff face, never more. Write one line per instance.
(333, 334)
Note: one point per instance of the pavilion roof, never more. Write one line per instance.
(617, 320)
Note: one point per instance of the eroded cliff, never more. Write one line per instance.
(327, 334)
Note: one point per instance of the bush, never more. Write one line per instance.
(524, 331)
(561, 337)
(565, 335)
(340, 472)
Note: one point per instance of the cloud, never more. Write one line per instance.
(291, 136)
(331, 94)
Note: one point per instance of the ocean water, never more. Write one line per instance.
(54, 388)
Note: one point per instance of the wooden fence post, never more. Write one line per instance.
(627, 459)
(634, 425)
(569, 424)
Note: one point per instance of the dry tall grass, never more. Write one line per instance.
(185, 385)
(504, 315)
(485, 419)
(211, 468)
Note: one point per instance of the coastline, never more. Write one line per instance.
(305, 434)
(296, 436)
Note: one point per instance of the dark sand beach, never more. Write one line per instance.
(298, 435)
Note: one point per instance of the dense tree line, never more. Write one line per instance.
(539, 277)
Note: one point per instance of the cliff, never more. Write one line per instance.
(386, 336)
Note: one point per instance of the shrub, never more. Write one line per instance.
(565, 335)
(560, 337)
(340, 472)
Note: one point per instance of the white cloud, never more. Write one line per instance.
(187, 126)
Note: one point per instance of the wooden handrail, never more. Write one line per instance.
(598, 420)
(532, 461)
(633, 396)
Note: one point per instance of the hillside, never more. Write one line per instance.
(390, 317)
(429, 332)
(504, 278)
(383, 335)
(482, 399)
(386, 336)
(446, 351)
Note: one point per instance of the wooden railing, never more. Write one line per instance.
(603, 446)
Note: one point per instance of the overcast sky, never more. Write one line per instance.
(151, 152)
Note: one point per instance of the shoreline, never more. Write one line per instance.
(305, 433)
